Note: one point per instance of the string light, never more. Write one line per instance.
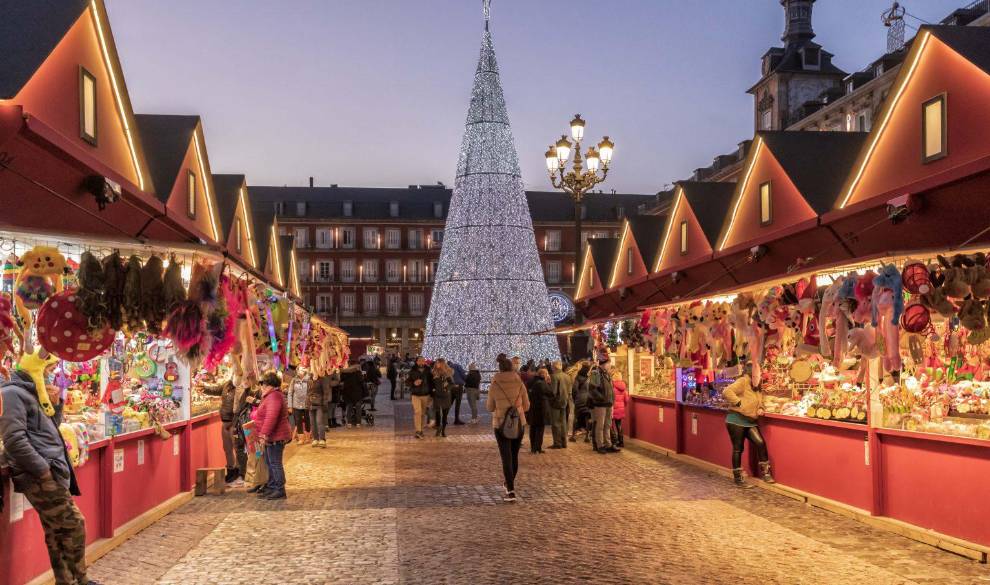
(490, 296)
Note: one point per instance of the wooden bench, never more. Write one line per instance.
(203, 476)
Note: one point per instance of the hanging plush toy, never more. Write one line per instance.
(39, 278)
(153, 295)
(887, 306)
(34, 366)
(92, 290)
(132, 294)
(863, 344)
(113, 297)
(9, 273)
(173, 291)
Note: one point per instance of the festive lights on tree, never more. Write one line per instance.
(489, 295)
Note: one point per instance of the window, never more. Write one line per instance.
(552, 241)
(347, 303)
(323, 238)
(347, 237)
(370, 238)
(347, 270)
(766, 119)
(620, 212)
(393, 304)
(301, 234)
(438, 209)
(325, 270)
(431, 273)
(324, 303)
(415, 270)
(416, 304)
(629, 261)
(348, 209)
(393, 239)
(370, 270)
(553, 271)
(87, 106)
(766, 204)
(237, 235)
(393, 270)
(371, 304)
(415, 239)
(684, 237)
(933, 129)
(300, 209)
(191, 194)
(436, 238)
(850, 87)
(302, 269)
(812, 58)
(862, 122)
(393, 209)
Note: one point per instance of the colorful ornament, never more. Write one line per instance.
(65, 332)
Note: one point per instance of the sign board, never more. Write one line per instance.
(140, 449)
(118, 460)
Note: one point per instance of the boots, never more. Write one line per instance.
(765, 472)
(738, 479)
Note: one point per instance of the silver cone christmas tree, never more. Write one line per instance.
(489, 296)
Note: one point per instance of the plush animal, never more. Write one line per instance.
(938, 301)
(33, 364)
(40, 276)
(887, 305)
(831, 312)
(972, 315)
(864, 295)
(863, 343)
(955, 285)
(978, 279)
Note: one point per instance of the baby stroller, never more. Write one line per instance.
(365, 414)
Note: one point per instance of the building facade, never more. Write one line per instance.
(367, 256)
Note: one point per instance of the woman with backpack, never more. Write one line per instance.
(508, 403)
(443, 393)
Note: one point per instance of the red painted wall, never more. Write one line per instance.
(139, 488)
(788, 205)
(711, 444)
(646, 425)
(52, 95)
(207, 446)
(896, 160)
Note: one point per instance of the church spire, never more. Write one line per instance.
(797, 16)
(487, 7)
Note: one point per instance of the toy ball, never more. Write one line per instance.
(916, 318)
(916, 279)
(65, 332)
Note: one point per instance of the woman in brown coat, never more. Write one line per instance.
(505, 392)
(745, 402)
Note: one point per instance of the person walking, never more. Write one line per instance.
(298, 396)
(420, 382)
(35, 455)
(318, 399)
(506, 392)
(352, 392)
(602, 397)
(539, 394)
(274, 433)
(472, 386)
(392, 373)
(619, 408)
(745, 401)
(457, 390)
(373, 376)
(560, 397)
(443, 390)
(336, 401)
(582, 402)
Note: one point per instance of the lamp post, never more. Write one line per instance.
(577, 181)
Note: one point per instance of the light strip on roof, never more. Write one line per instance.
(883, 125)
(116, 95)
(670, 226)
(584, 270)
(619, 255)
(295, 273)
(278, 262)
(742, 192)
(206, 187)
(247, 222)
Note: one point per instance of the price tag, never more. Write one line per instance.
(140, 448)
(694, 424)
(118, 460)
(175, 445)
(660, 414)
(866, 452)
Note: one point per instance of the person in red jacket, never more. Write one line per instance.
(274, 433)
(619, 408)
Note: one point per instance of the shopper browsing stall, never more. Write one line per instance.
(274, 432)
(745, 402)
(298, 396)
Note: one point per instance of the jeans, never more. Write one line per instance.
(276, 472)
(508, 450)
(738, 435)
(318, 422)
(603, 426)
(301, 417)
(617, 427)
(440, 415)
(227, 437)
(420, 407)
(473, 394)
(536, 438)
(353, 415)
(456, 393)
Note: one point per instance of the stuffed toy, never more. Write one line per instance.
(113, 291)
(864, 294)
(936, 300)
(972, 315)
(39, 278)
(9, 273)
(808, 308)
(831, 311)
(887, 305)
(863, 343)
(978, 279)
(33, 364)
(955, 285)
(153, 295)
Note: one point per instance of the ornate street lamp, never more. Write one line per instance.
(577, 181)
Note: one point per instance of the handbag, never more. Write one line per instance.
(512, 426)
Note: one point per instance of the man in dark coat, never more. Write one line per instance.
(352, 391)
(393, 375)
(39, 468)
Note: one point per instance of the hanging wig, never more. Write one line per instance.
(132, 294)
(113, 297)
(92, 290)
(222, 323)
(153, 295)
(184, 326)
(174, 291)
(204, 282)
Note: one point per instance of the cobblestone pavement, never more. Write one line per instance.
(380, 507)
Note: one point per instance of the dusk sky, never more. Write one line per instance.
(375, 92)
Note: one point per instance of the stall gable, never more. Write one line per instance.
(946, 64)
(596, 267)
(765, 203)
(234, 211)
(682, 228)
(629, 263)
(287, 259)
(78, 88)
